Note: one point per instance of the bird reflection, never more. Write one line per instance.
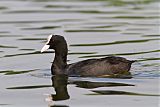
(92, 85)
(59, 82)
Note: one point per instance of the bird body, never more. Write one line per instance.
(99, 67)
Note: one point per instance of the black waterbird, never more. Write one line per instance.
(91, 67)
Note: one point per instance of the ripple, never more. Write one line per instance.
(64, 10)
(147, 74)
(131, 33)
(4, 46)
(152, 64)
(52, 11)
(27, 49)
(92, 30)
(4, 32)
(41, 28)
(30, 87)
(32, 39)
(25, 22)
(135, 53)
(4, 35)
(117, 42)
(146, 24)
(3, 8)
(112, 92)
(137, 29)
(59, 6)
(137, 17)
(29, 53)
(151, 35)
(69, 6)
(12, 72)
(40, 21)
(81, 53)
(91, 85)
(5, 104)
(148, 59)
(101, 26)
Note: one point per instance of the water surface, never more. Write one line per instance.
(93, 29)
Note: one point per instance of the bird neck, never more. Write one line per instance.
(60, 61)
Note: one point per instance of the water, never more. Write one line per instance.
(93, 29)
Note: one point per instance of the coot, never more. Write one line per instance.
(91, 67)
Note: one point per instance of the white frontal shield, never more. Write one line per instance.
(45, 47)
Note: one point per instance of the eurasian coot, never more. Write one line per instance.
(91, 67)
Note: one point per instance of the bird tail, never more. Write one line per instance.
(132, 61)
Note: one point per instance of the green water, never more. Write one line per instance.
(93, 29)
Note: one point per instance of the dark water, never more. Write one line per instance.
(93, 29)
